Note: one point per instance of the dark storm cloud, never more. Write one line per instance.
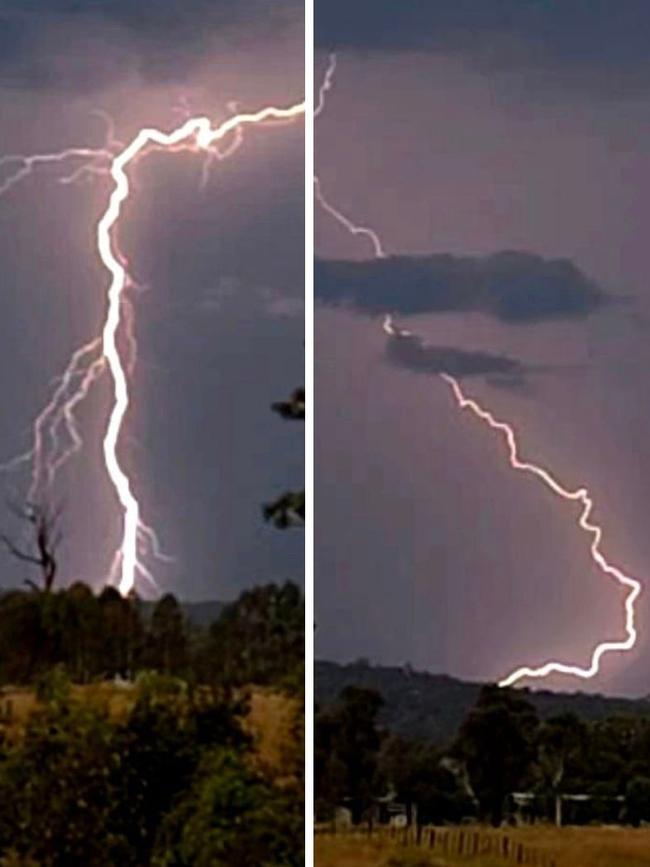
(578, 34)
(511, 286)
(410, 352)
(89, 44)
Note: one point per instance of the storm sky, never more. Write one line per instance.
(500, 150)
(219, 320)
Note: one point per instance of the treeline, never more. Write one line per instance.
(502, 747)
(422, 705)
(258, 639)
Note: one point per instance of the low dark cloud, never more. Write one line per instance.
(597, 35)
(90, 44)
(410, 352)
(511, 286)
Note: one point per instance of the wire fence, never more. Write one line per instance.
(466, 842)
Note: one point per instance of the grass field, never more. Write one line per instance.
(569, 847)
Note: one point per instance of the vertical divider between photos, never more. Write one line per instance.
(309, 433)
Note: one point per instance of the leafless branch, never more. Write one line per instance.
(47, 537)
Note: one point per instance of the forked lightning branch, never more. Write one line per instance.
(56, 436)
(580, 496)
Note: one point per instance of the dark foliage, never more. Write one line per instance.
(258, 639)
(294, 408)
(171, 779)
(419, 705)
(497, 744)
(288, 510)
(501, 744)
(347, 752)
(156, 788)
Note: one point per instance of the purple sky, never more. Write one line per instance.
(428, 548)
(221, 327)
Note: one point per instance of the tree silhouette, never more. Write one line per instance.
(259, 638)
(560, 742)
(497, 743)
(46, 538)
(167, 636)
(346, 752)
(289, 509)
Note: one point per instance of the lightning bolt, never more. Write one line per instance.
(507, 432)
(347, 223)
(580, 495)
(326, 84)
(88, 363)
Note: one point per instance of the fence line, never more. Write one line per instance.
(460, 841)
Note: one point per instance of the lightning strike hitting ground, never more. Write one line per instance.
(196, 135)
(580, 495)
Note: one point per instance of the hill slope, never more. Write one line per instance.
(432, 706)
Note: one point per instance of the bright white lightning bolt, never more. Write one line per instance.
(196, 134)
(580, 495)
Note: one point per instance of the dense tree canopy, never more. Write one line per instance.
(496, 742)
(169, 783)
(347, 752)
(258, 638)
(502, 747)
(160, 769)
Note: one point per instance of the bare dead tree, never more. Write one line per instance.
(46, 538)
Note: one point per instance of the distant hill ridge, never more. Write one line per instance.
(419, 704)
(200, 614)
(203, 613)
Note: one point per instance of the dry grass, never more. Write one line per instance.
(591, 847)
(269, 721)
(358, 852)
(17, 704)
(570, 847)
